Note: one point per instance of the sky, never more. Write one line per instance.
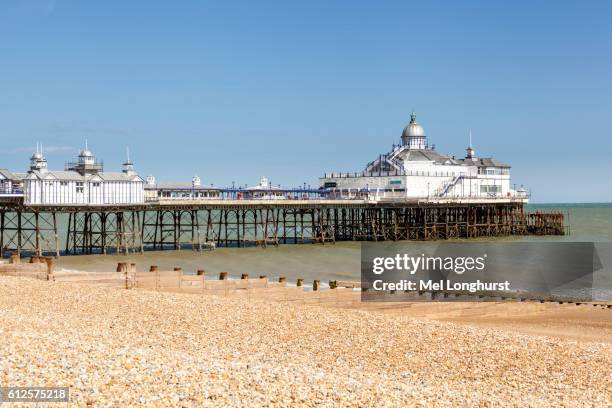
(235, 90)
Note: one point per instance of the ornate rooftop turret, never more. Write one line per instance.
(128, 165)
(38, 161)
(470, 152)
(413, 135)
(86, 163)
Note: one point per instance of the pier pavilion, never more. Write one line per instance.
(82, 182)
(413, 169)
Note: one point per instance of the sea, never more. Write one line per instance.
(339, 261)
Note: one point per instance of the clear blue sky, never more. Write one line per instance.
(233, 90)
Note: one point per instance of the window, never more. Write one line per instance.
(63, 183)
(79, 187)
(493, 171)
(490, 189)
(95, 184)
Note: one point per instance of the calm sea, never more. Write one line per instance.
(341, 261)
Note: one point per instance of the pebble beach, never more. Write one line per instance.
(116, 347)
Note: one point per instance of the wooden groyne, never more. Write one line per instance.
(336, 293)
(199, 226)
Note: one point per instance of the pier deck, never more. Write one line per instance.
(201, 224)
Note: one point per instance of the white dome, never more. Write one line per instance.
(413, 129)
(413, 135)
(86, 153)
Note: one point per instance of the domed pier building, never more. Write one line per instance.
(415, 170)
(83, 182)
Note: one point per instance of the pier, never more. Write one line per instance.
(203, 224)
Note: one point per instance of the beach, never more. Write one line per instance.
(117, 347)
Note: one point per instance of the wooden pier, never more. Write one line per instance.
(198, 225)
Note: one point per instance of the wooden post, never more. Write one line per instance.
(200, 272)
(281, 279)
(122, 267)
(180, 275)
(315, 285)
(333, 284)
(300, 282)
(244, 276)
(263, 276)
(223, 276)
(153, 268)
(50, 266)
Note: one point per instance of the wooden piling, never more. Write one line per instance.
(315, 285)
(281, 279)
(153, 268)
(50, 266)
(244, 276)
(123, 267)
(300, 282)
(223, 275)
(200, 272)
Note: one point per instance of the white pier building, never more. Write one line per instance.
(83, 182)
(155, 191)
(414, 170)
